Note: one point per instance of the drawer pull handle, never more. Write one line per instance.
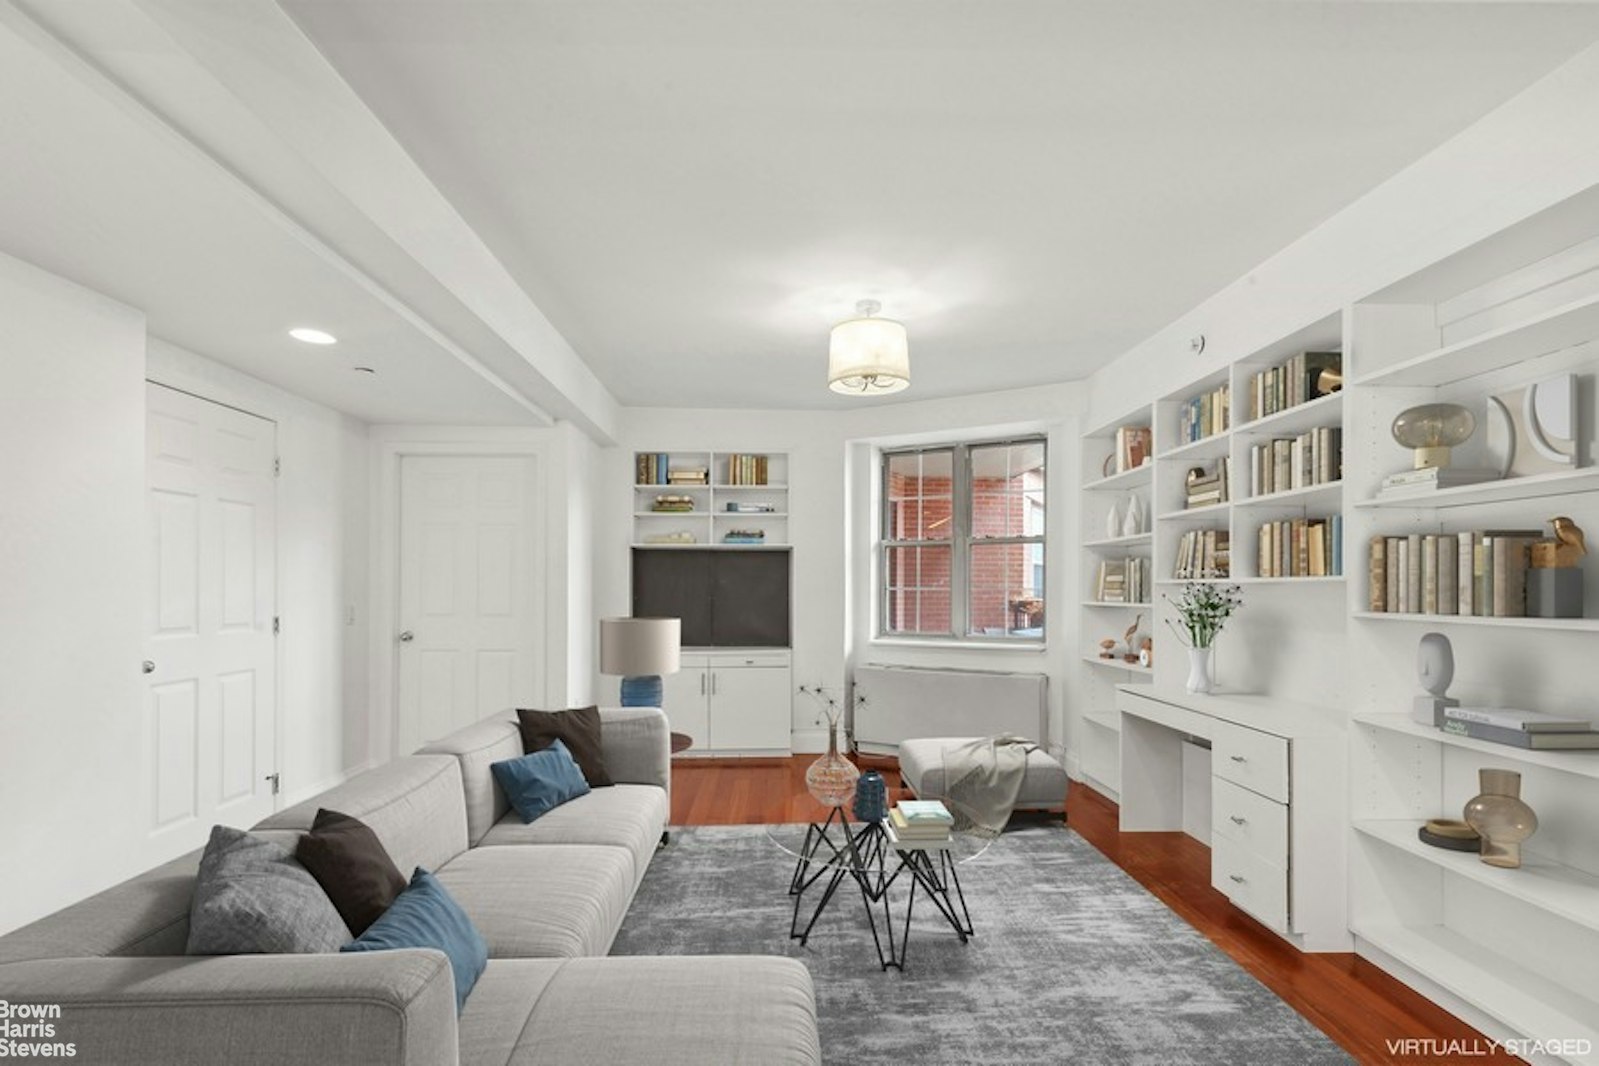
(1235, 877)
(1238, 758)
(1238, 821)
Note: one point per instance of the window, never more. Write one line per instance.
(962, 541)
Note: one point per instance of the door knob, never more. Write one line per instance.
(149, 666)
(407, 636)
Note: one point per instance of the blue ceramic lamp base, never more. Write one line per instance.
(642, 691)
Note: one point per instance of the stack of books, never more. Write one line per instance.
(1204, 415)
(1481, 573)
(1305, 377)
(1302, 547)
(1432, 478)
(1312, 458)
(1203, 553)
(921, 821)
(1520, 729)
(680, 537)
(1209, 488)
(744, 536)
(1122, 581)
(673, 504)
(746, 470)
(652, 468)
(751, 508)
(1134, 446)
(690, 475)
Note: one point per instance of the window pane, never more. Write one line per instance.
(919, 504)
(995, 515)
(1008, 490)
(916, 591)
(1007, 590)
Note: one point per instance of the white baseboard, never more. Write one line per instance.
(300, 795)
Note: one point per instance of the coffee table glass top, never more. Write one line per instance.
(797, 841)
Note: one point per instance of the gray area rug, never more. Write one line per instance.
(1073, 961)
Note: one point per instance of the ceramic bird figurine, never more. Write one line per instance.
(1569, 533)
(1132, 632)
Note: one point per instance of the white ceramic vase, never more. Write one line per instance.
(1200, 680)
(1133, 520)
(1113, 523)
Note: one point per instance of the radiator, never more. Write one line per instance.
(894, 703)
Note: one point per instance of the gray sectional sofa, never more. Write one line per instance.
(548, 898)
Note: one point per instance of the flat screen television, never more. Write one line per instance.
(726, 599)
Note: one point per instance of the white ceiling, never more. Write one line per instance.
(689, 193)
(692, 192)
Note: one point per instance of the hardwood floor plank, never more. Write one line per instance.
(1346, 997)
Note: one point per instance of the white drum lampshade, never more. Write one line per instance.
(640, 650)
(868, 356)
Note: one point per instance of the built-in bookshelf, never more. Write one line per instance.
(1510, 950)
(735, 501)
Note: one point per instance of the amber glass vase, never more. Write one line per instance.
(1500, 818)
(831, 779)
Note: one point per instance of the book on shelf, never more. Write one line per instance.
(1479, 573)
(1300, 547)
(1204, 415)
(1304, 377)
(747, 469)
(744, 536)
(1122, 580)
(1433, 477)
(750, 508)
(697, 475)
(1521, 738)
(1203, 553)
(1315, 457)
(680, 537)
(1134, 447)
(1207, 487)
(673, 504)
(1526, 721)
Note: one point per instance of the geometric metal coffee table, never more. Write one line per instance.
(872, 859)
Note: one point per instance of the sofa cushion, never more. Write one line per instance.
(577, 728)
(733, 1010)
(622, 816)
(251, 897)
(921, 767)
(144, 915)
(478, 747)
(544, 902)
(415, 805)
(425, 916)
(540, 781)
(349, 862)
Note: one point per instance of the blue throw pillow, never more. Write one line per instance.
(427, 916)
(540, 781)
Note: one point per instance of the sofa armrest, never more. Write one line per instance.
(637, 745)
(372, 1009)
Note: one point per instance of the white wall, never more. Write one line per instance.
(71, 590)
(322, 549)
(830, 523)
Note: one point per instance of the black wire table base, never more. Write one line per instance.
(863, 853)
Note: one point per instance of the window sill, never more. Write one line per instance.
(959, 645)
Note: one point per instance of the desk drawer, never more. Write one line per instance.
(1258, 824)
(1252, 883)
(1248, 757)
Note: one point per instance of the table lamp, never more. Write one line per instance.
(640, 650)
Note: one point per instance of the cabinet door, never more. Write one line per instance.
(686, 698)
(750, 708)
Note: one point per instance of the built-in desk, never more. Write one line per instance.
(1277, 800)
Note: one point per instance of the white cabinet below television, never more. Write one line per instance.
(732, 701)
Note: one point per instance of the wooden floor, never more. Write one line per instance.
(1349, 999)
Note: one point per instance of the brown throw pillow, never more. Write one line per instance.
(578, 729)
(350, 863)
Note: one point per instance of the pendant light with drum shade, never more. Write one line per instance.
(868, 356)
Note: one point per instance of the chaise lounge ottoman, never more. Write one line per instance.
(921, 768)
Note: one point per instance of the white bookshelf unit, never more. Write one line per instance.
(1514, 952)
(729, 481)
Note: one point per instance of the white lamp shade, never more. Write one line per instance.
(640, 647)
(868, 356)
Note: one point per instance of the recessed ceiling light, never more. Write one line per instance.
(313, 336)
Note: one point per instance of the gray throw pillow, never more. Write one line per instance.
(251, 898)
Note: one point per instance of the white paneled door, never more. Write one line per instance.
(469, 633)
(211, 656)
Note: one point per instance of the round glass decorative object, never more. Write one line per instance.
(1432, 429)
(831, 779)
(1500, 818)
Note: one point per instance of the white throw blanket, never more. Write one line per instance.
(982, 779)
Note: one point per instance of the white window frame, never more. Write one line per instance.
(959, 544)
